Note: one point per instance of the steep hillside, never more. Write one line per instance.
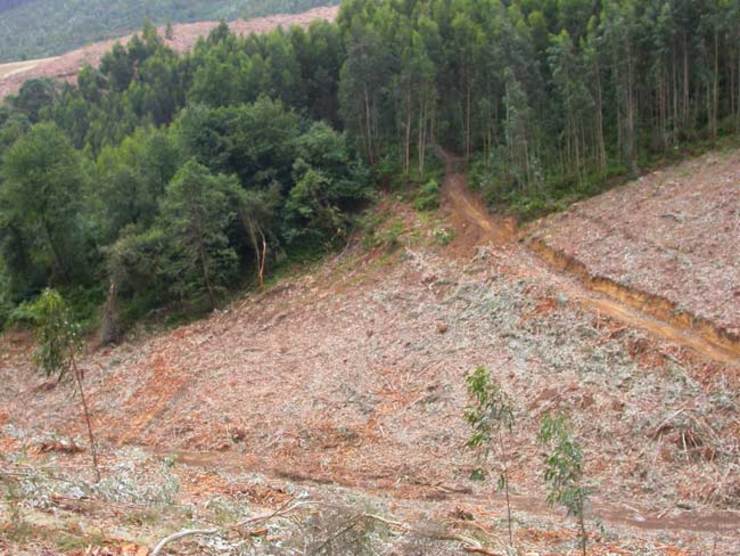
(343, 388)
(42, 28)
(666, 243)
(9, 4)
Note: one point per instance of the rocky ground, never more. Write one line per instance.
(335, 398)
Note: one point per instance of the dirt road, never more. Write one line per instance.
(465, 206)
(349, 377)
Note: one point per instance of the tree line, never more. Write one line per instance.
(162, 179)
(543, 96)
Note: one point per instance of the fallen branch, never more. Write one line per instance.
(181, 535)
(282, 510)
(286, 508)
(480, 550)
(469, 545)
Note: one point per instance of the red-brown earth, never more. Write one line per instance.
(345, 384)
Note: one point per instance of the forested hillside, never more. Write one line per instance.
(168, 180)
(39, 28)
(8, 4)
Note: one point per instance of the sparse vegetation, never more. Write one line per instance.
(15, 524)
(443, 235)
(59, 345)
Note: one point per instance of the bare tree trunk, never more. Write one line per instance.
(421, 146)
(86, 412)
(715, 96)
(686, 107)
(261, 261)
(407, 138)
(468, 131)
(582, 524)
(737, 84)
(600, 144)
(368, 121)
(674, 83)
(505, 474)
(206, 276)
(58, 259)
(109, 328)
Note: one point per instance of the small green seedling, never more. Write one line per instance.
(491, 417)
(59, 344)
(564, 470)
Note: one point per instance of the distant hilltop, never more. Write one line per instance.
(184, 36)
(31, 29)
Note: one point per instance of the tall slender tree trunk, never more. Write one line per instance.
(369, 127)
(582, 525)
(715, 95)
(407, 138)
(630, 139)
(58, 259)
(468, 124)
(686, 94)
(206, 275)
(421, 146)
(88, 421)
(737, 85)
(261, 262)
(600, 143)
(674, 81)
(506, 488)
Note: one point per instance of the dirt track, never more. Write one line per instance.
(601, 300)
(351, 377)
(666, 244)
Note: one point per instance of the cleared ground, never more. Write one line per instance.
(671, 238)
(344, 387)
(17, 68)
(66, 67)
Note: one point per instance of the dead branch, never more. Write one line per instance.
(350, 525)
(480, 550)
(282, 510)
(286, 508)
(469, 545)
(181, 535)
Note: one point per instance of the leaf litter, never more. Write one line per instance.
(345, 386)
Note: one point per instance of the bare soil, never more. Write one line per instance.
(667, 243)
(67, 66)
(346, 383)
